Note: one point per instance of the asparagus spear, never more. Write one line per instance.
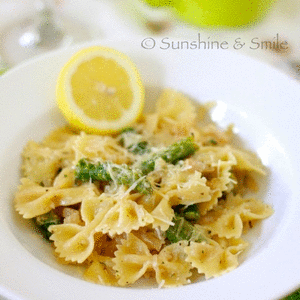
(172, 154)
(107, 171)
(190, 213)
(123, 174)
(139, 148)
(183, 230)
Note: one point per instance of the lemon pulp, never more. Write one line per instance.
(100, 91)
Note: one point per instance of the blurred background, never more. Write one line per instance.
(267, 29)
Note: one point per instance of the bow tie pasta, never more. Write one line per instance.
(165, 199)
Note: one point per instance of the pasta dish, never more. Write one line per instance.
(165, 199)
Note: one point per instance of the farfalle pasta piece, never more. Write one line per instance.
(232, 245)
(149, 202)
(171, 266)
(125, 216)
(176, 112)
(210, 134)
(219, 161)
(91, 206)
(65, 179)
(101, 270)
(59, 138)
(193, 190)
(187, 187)
(32, 200)
(245, 182)
(211, 259)
(247, 160)
(218, 185)
(132, 260)
(254, 209)
(163, 214)
(230, 216)
(62, 140)
(106, 148)
(72, 242)
(40, 163)
(211, 155)
(75, 243)
(151, 123)
(228, 225)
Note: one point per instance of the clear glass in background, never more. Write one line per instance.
(43, 28)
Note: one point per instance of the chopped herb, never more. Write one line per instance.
(213, 142)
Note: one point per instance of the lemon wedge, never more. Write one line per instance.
(99, 90)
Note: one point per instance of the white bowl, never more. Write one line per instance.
(263, 104)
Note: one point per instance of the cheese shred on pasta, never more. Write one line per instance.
(153, 215)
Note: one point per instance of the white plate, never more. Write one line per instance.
(262, 102)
